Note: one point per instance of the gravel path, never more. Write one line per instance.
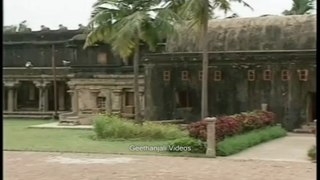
(58, 166)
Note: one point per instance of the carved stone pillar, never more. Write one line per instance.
(12, 95)
(11, 98)
(108, 102)
(74, 100)
(43, 94)
(61, 96)
(94, 95)
(141, 98)
(15, 100)
(116, 101)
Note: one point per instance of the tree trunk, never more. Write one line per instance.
(136, 82)
(205, 63)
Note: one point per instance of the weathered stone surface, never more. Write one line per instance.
(258, 33)
(234, 93)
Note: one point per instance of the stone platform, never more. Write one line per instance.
(56, 125)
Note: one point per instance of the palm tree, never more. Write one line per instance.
(300, 7)
(125, 24)
(200, 11)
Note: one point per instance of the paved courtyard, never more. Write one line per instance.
(58, 166)
(293, 147)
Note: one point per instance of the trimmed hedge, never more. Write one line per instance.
(195, 145)
(114, 127)
(235, 144)
(227, 126)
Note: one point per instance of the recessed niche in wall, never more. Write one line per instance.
(184, 75)
(166, 75)
(251, 75)
(285, 76)
(217, 76)
(267, 75)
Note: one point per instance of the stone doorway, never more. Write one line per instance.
(311, 107)
(28, 97)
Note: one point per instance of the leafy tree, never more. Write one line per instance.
(125, 24)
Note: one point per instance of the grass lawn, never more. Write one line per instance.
(18, 137)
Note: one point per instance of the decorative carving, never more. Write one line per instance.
(82, 27)
(41, 84)
(44, 28)
(11, 84)
(62, 27)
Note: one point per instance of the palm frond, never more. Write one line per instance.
(126, 30)
(300, 7)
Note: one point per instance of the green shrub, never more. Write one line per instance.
(194, 145)
(115, 127)
(312, 153)
(235, 144)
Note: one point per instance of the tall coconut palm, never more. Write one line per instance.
(199, 12)
(300, 7)
(124, 24)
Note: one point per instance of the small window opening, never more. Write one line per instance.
(251, 75)
(267, 75)
(166, 75)
(184, 75)
(285, 76)
(217, 75)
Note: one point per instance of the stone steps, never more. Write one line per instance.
(306, 128)
(70, 121)
(25, 116)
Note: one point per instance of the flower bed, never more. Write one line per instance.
(227, 126)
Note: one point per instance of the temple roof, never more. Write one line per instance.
(259, 33)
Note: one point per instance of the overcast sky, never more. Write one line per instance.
(73, 12)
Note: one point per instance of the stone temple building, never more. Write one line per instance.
(253, 61)
(88, 81)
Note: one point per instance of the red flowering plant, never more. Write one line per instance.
(231, 125)
(251, 121)
(267, 117)
(198, 130)
(227, 126)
